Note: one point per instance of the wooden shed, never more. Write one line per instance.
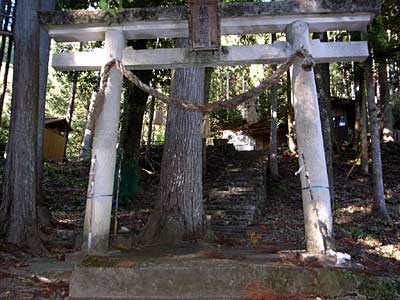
(55, 139)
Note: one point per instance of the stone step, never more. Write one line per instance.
(241, 171)
(232, 231)
(229, 214)
(230, 218)
(244, 176)
(228, 206)
(253, 180)
(234, 195)
(206, 278)
(230, 222)
(217, 215)
(237, 191)
(226, 195)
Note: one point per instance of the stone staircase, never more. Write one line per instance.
(235, 193)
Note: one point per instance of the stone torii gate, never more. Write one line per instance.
(294, 17)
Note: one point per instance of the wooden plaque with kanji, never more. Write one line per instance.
(204, 25)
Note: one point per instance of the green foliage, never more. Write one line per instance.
(76, 4)
(374, 287)
(380, 288)
(377, 37)
(113, 6)
(391, 15)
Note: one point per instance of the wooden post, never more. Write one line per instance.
(313, 175)
(98, 206)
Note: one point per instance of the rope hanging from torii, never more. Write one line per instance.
(308, 64)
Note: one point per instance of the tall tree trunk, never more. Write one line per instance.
(44, 49)
(18, 206)
(386, 103)
(70, 109)
(7, 67)
(2, 10)
(377, 175)
(179, 213)
(322, 80)
(290, 112)
(357, 122)
(207, 86)
(4, 27)
(150, 127)
(364, 127)
(86, 147)
(133, 111)
(71, 104)
(363, 118)
(273, 137)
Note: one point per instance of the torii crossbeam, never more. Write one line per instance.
(295, 17)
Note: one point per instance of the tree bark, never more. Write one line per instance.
(363, 122)
(133, 113)
(133, 110)
(377, 175)
(86, 147)
(207, 86)
(357, 122)
(179, 213)
(290, 113)
(71, 104)
(18, 217)
(150, 128)
(4, 27)
(386, 103)
(7, 67)
(44, 49)
(364, 129)
(70, 109)
(322, 80)
(2, 10)
(273, 138)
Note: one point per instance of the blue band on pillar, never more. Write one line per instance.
(316, 187)
(99, 196)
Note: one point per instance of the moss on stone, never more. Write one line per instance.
(229, 10)
(99, 261)
(380, 288)
(374, 287)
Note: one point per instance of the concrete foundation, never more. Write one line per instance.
(196, 277)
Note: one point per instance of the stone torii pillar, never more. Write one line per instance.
(313, 174)
(99, 202)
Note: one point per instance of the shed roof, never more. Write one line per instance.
(59, 123)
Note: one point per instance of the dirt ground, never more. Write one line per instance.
(373, 243)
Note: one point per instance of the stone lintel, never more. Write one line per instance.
(235, 55)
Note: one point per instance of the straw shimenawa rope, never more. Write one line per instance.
(308, 64)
